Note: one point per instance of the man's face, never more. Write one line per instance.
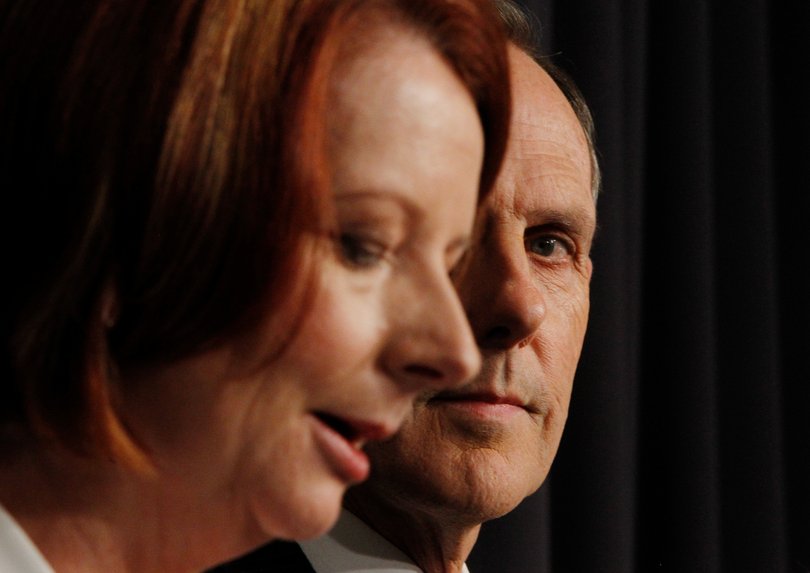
(477, 451)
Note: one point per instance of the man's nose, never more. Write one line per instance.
(505, 301)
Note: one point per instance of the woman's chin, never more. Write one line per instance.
(307, 515)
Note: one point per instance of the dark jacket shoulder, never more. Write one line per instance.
(275, 557)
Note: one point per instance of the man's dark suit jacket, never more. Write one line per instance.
(276, 557)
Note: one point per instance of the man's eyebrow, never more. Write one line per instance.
(576, 220)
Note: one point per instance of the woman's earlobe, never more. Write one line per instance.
(109, 304)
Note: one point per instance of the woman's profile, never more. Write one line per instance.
(231, 224)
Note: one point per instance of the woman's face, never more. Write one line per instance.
(267, 449)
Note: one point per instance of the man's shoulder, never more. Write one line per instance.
(275, 557)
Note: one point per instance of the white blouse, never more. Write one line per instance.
(18, 554)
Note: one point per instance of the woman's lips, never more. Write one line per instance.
(340, 441)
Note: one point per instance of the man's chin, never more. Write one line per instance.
(478, 485)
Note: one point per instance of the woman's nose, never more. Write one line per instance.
(433, 345)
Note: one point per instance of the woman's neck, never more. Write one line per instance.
(87, 515)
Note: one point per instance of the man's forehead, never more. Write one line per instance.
(548, 164)
(539, 188)
(531, 205)
(544, 120)
(533, 89)
(545, 173)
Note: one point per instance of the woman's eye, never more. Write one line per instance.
(547, 247)
(360, 252)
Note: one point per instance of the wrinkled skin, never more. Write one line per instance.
(472, 454)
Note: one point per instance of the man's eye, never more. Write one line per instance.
(360, 252)
(547, 246)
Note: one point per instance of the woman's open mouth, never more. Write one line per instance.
(341, 441)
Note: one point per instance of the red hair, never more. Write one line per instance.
(174, 152)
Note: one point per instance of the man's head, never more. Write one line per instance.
(472, 454)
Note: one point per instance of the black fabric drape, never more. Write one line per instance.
(688, 442)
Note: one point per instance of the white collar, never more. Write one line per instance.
(353, 547)
(17, 552)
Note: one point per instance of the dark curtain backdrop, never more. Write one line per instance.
(688, 442)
